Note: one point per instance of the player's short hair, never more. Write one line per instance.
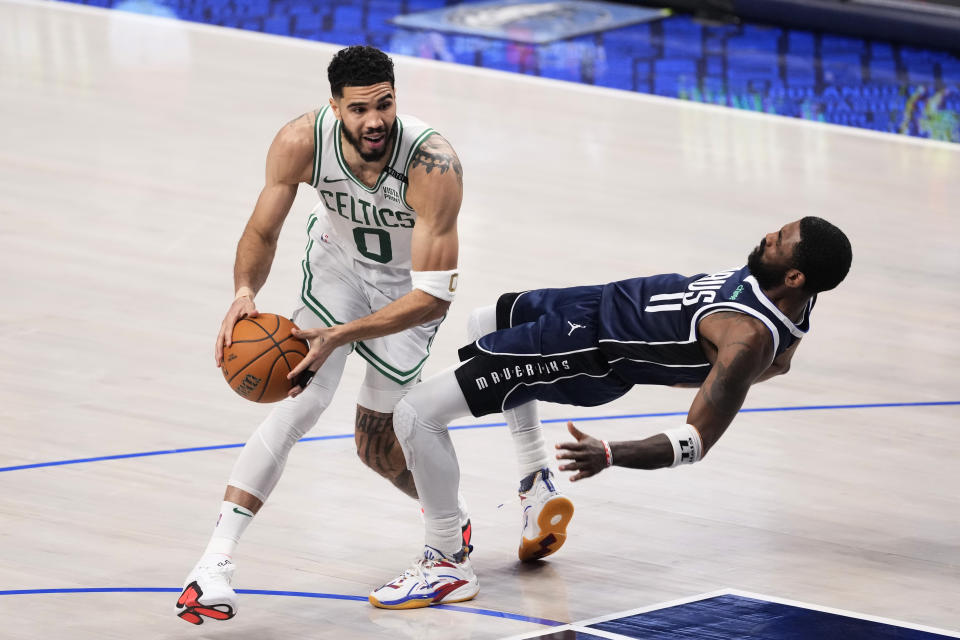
(358, 66)
(823, 254)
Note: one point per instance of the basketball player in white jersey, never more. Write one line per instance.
(379, 273)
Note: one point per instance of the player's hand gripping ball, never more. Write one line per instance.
(262, 354)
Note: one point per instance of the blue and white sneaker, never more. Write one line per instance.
(546, 514)
(433, 579)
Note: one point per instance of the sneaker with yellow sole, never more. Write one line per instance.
(546, 514)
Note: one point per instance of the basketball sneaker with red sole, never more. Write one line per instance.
(207, 592)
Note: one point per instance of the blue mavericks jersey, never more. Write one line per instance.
(647, 327)
(588, 345)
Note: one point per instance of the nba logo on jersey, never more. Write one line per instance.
(325, 237)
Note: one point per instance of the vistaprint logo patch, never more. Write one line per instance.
(391, 194)
(736, 292)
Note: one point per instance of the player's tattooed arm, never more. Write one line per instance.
(744, 352)
(435, 193)
(437, 154)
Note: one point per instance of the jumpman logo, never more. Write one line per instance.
(573, 327)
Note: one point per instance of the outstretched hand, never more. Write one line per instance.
(587, 453)
(322, 343)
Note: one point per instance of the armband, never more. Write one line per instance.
(607, 452)
(439, 284)
(687, 445)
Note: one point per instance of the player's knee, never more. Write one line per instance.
(404, 419)
(404, 424)
(300, 422)
(417, 411)
(481, 321)
(299, 414)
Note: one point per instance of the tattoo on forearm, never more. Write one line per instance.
(726, 391)
(378, 447)
(437, 155)
(713, 393)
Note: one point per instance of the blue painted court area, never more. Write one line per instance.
(736, 617)
(732, 617)
(802, 74)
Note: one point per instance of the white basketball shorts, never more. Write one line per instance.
(337, 289)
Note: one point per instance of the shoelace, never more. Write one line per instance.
(416, 571)
(214, 572)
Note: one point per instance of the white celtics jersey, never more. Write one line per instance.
(372, 224)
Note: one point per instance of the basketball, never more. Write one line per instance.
(262, 354)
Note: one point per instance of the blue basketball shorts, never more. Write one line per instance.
(545, 348)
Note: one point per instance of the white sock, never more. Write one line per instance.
(524, 423)
(464, 516)
(231, 524)
(436, 535)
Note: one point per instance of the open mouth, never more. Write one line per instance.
(375, 140)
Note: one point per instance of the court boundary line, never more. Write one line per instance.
(487, 425)
(271, 592)
(587, 88)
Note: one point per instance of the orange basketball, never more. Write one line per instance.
(262, 354)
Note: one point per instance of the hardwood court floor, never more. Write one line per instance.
(131, 152)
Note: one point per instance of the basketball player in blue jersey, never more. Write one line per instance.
(585, 346)
(379, 273)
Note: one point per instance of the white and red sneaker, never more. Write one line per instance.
(207, 591)
(433, 579)
(546, 514)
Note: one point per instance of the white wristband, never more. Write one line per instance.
(439, 284)
(243, 292)
(687, 445)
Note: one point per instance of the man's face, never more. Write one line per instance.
(369, 118)
(773, 257)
